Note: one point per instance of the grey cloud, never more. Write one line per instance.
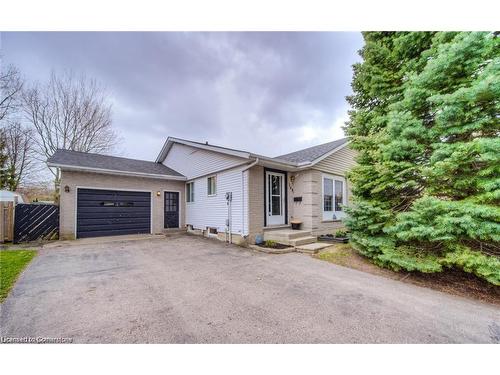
(235, 89)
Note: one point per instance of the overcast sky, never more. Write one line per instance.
(269, 93)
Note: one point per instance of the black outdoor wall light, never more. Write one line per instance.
(66, 189)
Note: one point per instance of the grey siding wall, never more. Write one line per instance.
(338, 163)
(112, 182)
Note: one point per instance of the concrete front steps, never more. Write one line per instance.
(289, 237)
(302, 240)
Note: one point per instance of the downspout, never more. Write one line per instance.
(243, 194)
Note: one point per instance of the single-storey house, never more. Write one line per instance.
(226, 193)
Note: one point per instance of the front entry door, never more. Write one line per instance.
(275, 198)
(171, 209)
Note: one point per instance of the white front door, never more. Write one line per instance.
(275, 198)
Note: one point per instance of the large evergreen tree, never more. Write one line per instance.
(425, 124)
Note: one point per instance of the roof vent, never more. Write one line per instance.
(206, 142)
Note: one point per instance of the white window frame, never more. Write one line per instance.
(215, 186)
(328, 215)
(190, 195)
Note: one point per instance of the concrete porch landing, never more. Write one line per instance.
(290, 237)
(312, 248)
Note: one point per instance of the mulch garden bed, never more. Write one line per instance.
(278, 246)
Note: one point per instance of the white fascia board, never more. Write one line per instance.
(161, 156)
(270, 163)
(115, 172)
(287, 163)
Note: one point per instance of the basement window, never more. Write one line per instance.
(212, 231)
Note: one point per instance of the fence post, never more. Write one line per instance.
(10, 221)
(6, 221)
(2, 223)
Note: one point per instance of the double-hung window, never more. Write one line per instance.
(333, 197)
(211, 185)
(190, 192)
(339, 195)
(327, 194)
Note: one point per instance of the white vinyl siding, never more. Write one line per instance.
(193, 162)
(212, 211)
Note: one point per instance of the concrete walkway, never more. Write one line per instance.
(187, 289)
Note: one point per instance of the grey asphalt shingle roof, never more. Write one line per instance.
(114, 163)
(312, 153)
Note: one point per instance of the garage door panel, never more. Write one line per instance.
(114, 197)
(105, 221)
(98, 215)
(106, 203)
(112, 227)
(112, 212)
(116, 232)
(93, 192)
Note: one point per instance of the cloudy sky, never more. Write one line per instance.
(269, 93)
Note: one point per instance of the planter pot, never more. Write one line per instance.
(341, 239)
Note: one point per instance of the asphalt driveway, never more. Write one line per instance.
(193, 290)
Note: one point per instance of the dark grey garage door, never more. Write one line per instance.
(112, 213)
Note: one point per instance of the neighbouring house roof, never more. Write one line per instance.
(90, 162)
(309, 155)
(299, 158)
(10, 196)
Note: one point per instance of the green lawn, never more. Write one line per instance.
(340, 254)
(11, 265)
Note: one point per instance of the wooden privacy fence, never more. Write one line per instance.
(6, 221)
(36, 221)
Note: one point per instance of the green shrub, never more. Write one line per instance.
(486, 267)
(341, 233)
(270, 243)
(426, 192)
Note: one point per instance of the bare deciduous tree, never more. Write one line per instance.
(69, 113)
(11, 85)
(19, 151)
